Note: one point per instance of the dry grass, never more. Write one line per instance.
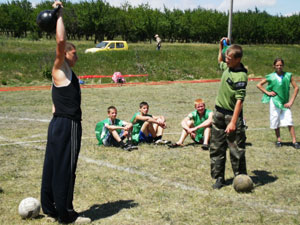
(154, 185)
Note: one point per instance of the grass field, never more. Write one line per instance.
(155, 184)
(25, 62)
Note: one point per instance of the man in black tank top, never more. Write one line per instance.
(64, 134)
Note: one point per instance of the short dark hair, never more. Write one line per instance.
(277, 60)
(143, 103)
(236, 50)
(69, 47)
(111, 107)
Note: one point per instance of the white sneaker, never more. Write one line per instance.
(162, 142)
(82, 220)
(50, 219)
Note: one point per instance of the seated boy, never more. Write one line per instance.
(112, 131)
(147, 128)
(197, 124)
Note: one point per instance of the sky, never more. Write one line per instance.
(273, 7)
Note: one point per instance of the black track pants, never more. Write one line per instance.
(63, 146)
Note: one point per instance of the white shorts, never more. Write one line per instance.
(279, 117)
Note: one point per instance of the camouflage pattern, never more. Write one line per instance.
(235, 141)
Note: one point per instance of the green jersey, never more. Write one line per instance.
(280, 85)
(101, 131)
(197, 121)
(232, 87)
(137, 126)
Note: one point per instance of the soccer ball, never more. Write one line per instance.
(29, 208)
(243, 183)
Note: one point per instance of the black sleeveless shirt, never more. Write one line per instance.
(67, 100)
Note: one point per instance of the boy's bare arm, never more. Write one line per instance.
(220, 49)
(114, 127)
(127, 126)
(184, 124)
(207, 122)
(146, 118)
(231, 127)
(296, 90)
(60, 45)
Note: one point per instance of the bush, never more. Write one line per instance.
(47, 72)
(33, 36)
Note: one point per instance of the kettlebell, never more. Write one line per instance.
(46, 20)
(225, 47)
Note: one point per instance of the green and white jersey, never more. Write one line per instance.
(137, 126)
(232, 87)
(101, 131)
(197, 121)
(280, 85)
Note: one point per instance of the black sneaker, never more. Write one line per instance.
(220, 182)
(278, 144)
(126, 147)
(205, 147)
(129, 147)
(175, 145)
(133, 147)
(296, 145)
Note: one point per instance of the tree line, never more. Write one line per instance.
(98, 20)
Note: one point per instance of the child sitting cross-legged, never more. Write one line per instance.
(198, 125)
(112, 131)
(147, 128)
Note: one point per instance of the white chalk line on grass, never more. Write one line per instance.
(22, 143)
(25, 119)
(143, 174)
(153, 178)
(29, 142)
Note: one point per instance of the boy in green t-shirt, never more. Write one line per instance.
(228, 129)
(197, 124)
(278, 94)
(147, 128)
(112, 131)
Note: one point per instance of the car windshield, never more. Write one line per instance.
(102, 44)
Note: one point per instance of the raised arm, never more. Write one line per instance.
(220, 50)
(58, 77)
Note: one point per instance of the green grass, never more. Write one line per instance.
(153, 185)
(25, 62)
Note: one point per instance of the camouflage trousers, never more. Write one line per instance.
(235, 141)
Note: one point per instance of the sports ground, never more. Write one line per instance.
(155, 184)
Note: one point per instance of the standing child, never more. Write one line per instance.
(112, 131)
(227, 128)
(197, 124)
(277, 93)
(147, 128)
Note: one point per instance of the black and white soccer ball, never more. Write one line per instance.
(29, 208)
(243, 183)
